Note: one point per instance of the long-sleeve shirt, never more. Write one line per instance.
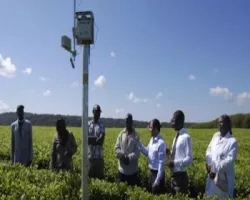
(96, 129)
(156, 154)
(126, 145)
(61, 156)
(21, 142)
(220, 155)
(183, 152)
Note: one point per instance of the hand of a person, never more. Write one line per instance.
(171, 164)
(208, 168)
(125, 160)
(212, 175)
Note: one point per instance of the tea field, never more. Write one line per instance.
(39, 182)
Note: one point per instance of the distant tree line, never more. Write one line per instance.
(238, 121)
(72, 121)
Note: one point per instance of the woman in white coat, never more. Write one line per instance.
(220, 156)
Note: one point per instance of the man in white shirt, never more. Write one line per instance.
(181, 154)
(221, 154)
(127, 152)
(156, 154)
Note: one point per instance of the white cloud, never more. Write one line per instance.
(158, 105)
(112, 54)
(47, 93)
(243, 98)
(159, 94)
(100, 81)
(132, 97)
(4, 107)
(42, 78)
(75, 84)
(27, 71)
(7, 68)
(119, 110)
(191, 77)
(220, 91)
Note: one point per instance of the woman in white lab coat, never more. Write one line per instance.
(220, 156)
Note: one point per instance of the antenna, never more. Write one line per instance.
(83, 35)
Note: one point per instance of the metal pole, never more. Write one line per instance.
(85, 90)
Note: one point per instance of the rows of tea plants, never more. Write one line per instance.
(38, 182)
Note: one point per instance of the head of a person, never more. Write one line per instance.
(178, 120)
(96, 112)
(154, 127)
(60, 125)
(129, 122)
(20, 112)
(224, 124)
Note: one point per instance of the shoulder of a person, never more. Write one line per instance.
(13, 123)
(233, 140)
(161, 141)
(27, 121)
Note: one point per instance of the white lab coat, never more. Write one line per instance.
(220, 155)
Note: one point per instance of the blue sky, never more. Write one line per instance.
(193, 55)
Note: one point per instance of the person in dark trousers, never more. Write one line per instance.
(63, 148)
(156, 154)
(181, 154)
(95, 144)
(21, 139)
(128, 153)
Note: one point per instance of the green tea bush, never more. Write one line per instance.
(39, 182)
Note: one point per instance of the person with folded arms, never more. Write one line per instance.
(221, 154)
(128, 153)
(96, 136)
(156, 154)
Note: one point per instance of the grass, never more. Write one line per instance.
(42, 139)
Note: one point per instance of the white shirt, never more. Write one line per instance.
(156, 154)
(220, 155)
(184, 152)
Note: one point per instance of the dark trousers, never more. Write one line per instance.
(132, 179)
(96, 168)
(161, 187)
(179, 182)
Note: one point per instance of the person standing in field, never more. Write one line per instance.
(127, 152)
(181, 154)
(63, 148)
(156, 154)
(221, 154)
(21, 139)
(95, 144)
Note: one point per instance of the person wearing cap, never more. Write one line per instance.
(181, 154)
(21, 139)
(127, 153)
(96, 136)
(221, 154)
(156, 154)
(63, 148)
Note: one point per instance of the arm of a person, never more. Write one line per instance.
(30, 144)
(12, 143)
(53, 155)
(162, 160)
(72, 146)
(135, 154)
(208, 152)
(143, 149)
(100, 139)
(189, 154)
(222, 165)
(118, 151)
